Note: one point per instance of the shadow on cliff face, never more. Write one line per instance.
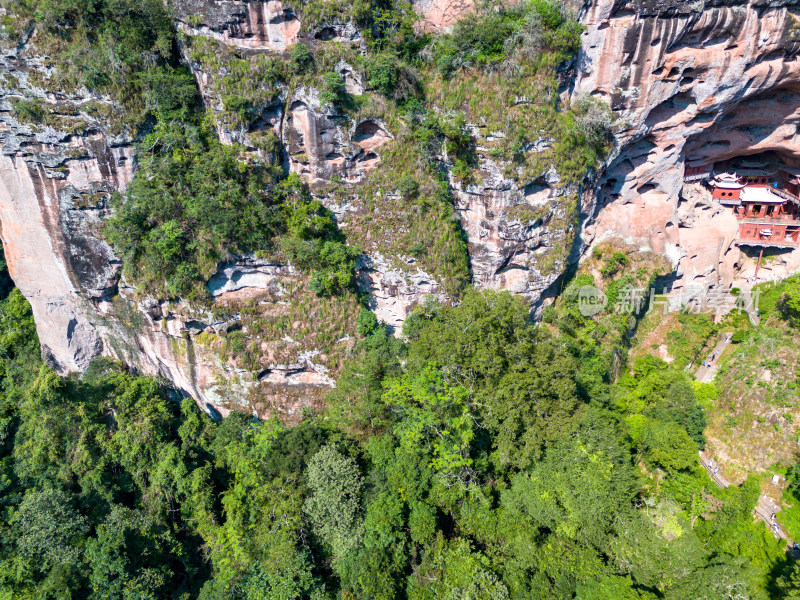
(763, 122)
(670, 108)
(6, 283)
(753, 124)
(613, 178)
(555, 289)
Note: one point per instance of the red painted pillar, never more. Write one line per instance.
(758, 264)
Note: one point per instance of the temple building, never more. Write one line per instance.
(765, 203)
(696, 170)
(727, 189)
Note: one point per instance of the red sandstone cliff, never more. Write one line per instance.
(688, 81)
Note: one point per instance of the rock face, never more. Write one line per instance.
(700, 81)
(394, 292)
(38, 258)
(256, 25)
(441, 14)
(54, 193)
(703, 82)
(320, 149)
(508, 228)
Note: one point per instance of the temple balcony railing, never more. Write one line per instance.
(767, 243)
(769, 221)
(696, 177)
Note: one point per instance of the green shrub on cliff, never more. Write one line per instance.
(29, 111)
(195, 202)
(249, 86)
(107, 46)
(314, 243)
(333, 88)
(382, 73)
(537, 29)
(192, 203)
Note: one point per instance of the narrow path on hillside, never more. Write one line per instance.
(764, 509)
(710, 466)
(706, 374)
(753, 314)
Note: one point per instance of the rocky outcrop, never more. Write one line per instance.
(256, 25)
(37, 255)
(394, 292)
(441, 14)
(700, 82)
(55, 186)
(320, 148)
(192, 348)
(514, 232)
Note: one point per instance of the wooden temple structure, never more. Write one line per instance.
(765, 202)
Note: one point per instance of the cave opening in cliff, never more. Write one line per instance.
(773, 167)
(760, 192)
(776, 168)
(6, 283)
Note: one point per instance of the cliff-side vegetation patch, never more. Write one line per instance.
(600, 342)
(192, 203)
(690, 336)
(541, 30)
(521, 130)
(516, 52)
(38, 113)
(195, 202)
(406, 210)
(107, 46)
(755, 419)
(243, 84)
(314, 243)
(276, 329)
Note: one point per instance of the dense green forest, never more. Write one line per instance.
(484, 458)
(479, 457)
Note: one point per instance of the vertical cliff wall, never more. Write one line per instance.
(54, 192)
(703, 82)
